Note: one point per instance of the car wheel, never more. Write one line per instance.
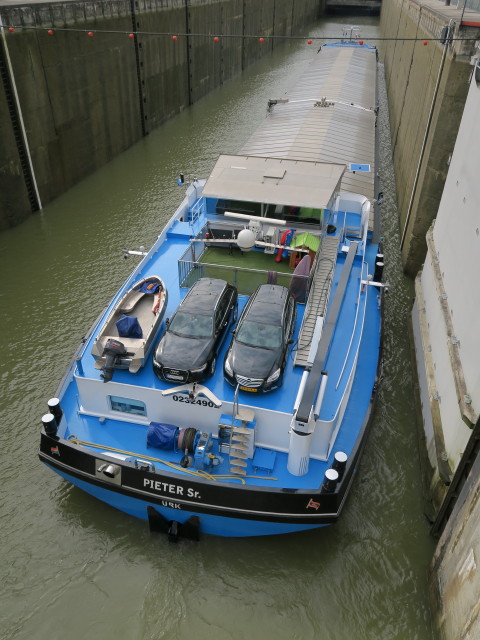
(213, 366)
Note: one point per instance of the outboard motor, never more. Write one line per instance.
(114, 349)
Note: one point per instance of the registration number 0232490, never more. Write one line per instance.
(200, 401)
(251, 389)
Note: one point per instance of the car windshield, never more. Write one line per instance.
(191, 325)
(256, 334)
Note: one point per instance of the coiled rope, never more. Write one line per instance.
(198, 473)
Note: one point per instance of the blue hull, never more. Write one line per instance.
(213, 525)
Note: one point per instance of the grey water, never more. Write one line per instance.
(71, 567)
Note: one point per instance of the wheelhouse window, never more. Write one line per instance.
(128, 405)
(305, 215)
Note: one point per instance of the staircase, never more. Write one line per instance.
(318, 297)
(242, 441)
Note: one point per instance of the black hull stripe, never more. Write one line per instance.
(228, 512)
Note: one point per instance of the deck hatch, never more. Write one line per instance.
(274, 173)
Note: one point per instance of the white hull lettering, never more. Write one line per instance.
(171, 505)
(166, 487)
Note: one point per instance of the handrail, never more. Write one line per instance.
(235, 269)
(353, 330)
(195, 211)
(228, 266)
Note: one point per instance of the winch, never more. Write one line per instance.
(196, 445)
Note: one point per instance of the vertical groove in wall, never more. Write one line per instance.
(141, 93)
(222, 30)
(402, 106)
(243, 35)
(273, 25)
(189, 52)
(395, 43)
(17, 130)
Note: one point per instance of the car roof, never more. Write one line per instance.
(204, 295)
(268, 303)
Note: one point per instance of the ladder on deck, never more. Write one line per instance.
(242, 441)
(318, 297)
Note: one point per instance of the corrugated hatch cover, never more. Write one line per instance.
(340, 133)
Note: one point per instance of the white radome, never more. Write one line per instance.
(246, 240)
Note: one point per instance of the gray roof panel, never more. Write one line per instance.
(274, 180)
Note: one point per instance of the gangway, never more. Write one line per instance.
(318, 298)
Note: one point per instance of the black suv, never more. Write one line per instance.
(187, 351)
(257, 355)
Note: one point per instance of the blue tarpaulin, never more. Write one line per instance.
(129, 327)
(161, 436)
(150, 287)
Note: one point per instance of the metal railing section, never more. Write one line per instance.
(196, 211)
(246, 280)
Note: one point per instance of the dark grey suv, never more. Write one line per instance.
(187, 351)
(257, 354)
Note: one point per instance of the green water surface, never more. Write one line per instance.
(75, 569)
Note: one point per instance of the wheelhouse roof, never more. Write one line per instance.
(279, 181)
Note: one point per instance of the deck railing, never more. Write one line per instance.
(246, 280)
(196, 211)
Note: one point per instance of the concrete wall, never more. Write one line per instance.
(163, 66)
(447, 353)
(447, 299)
(86, 99)
(412, 71)
(454, 579)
